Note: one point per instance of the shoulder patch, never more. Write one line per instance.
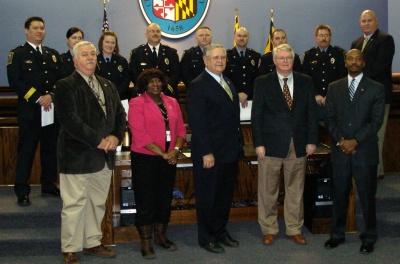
(10, 57)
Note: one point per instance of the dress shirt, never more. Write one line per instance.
(289, 83)
(356, 82)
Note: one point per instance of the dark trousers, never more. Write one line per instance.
(153, 182)
(366, 182)
(214, 193)
(30, 133)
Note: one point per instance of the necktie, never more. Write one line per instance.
(38, 50)
(226, 88)
(323, 53)
(242, 54)
(364, 43)
(286, 93)
(155, 53)
(107, 60)
(352, 89)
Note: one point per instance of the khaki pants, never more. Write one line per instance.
(84, 197)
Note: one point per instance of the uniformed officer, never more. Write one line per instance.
(192, 63)
(111, 65)
(153, 54)
(324, 63)
(32, 70)
(242, 65)
(267, 63)
(73, 36)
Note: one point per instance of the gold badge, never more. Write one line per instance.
(332, 60)
(10, 57)
(120, 68)
(253, 62)
(166, 60)
(54, 58)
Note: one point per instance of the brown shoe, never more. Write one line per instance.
(268, 239)
(69, 257)
(100, 251)
(299, 239)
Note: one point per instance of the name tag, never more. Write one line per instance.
(168, 135)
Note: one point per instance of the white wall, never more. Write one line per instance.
(297, 18)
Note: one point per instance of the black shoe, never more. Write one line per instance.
(213, 247)
(24, 200)
(53, 193)
(230, 242)
(366, 248)
(333, 243)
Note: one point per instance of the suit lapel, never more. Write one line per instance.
(361, 88)
(279, 92)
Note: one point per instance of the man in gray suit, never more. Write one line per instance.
(285, 131)
(354, 114)
(92, 123)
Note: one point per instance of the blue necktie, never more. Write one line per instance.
(352, 89)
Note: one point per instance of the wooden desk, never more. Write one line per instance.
(245, 191)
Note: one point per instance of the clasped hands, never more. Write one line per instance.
(172, 156)
(348, 146)
(108, 143)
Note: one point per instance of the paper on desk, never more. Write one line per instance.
(245, 113)
(48, 116)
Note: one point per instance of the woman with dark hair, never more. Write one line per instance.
(158, 134)
(111, 65)
(73, 36)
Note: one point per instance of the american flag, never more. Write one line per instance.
(105, 21)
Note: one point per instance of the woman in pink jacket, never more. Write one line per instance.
(158, 134)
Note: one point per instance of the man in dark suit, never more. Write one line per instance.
(242, 65)
(354, 114)
(378, 49)
(284, 120)
(192, 63)
(92, 123)
(32, 70)
(153, 54)
(214, 119)
(266, 64)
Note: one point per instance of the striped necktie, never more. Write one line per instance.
(286, 93)
(364, 43)
(226, 88)
(352, 89)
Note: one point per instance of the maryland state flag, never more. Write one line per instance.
(236, 24)
(269, 46)
(105, 20)
(175, 10)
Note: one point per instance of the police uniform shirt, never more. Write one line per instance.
(141, 58)
(116, 71)
(267, 64)
(324, 68)
(192, 64)
(67, 63)
(242, 71)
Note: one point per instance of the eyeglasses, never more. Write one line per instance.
(324, 35)
(217, 58)
(284, 58)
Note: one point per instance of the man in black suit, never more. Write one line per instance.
(378, 49)
(354, 114)
(192, 63)
(92, 123)
(284, 120)
(242, 65)
(214, 118)
(153, 54)
(32, 70)
(266, 64)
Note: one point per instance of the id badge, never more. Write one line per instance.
(168, 135)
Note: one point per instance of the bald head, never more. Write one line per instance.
(368, 22)
(241, 37)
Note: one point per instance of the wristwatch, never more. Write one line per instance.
(178, 149)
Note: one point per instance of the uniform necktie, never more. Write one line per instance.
(242, 54)
(286, 93)
(226, 88)
(155, 53)
(364, 43)
(323, 53)
(352, 89)
(38, 50)
(107, 60)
